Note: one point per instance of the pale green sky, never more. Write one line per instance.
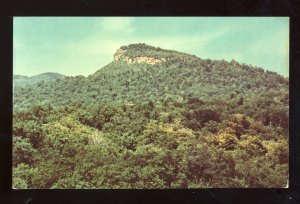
(82, 45)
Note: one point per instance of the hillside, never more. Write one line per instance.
(131, 78)
(22, 81)
(154, 118)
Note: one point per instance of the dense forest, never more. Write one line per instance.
(184, 122)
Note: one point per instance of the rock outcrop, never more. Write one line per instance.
(121, 55)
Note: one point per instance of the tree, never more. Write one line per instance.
(23, 152)
(240, 101)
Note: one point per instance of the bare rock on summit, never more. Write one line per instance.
(121, 55)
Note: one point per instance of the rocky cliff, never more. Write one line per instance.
(121, 55)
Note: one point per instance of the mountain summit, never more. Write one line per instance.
(139, 53)
(141, 72)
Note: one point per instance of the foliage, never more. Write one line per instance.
(119, 146)
(183, 123)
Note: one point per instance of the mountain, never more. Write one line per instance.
(20, 80)
(141, 72)
(153, 118)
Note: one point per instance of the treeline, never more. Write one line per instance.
(162, 144)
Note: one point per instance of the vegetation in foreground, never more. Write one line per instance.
(193, 144)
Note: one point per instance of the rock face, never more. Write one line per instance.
(121, 55)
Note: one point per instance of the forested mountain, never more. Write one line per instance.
(153, 118)
(178, 77)
(20, 80)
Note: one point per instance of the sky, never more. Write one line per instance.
(82, 45)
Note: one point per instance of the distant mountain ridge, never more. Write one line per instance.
(21, 80)
(18, 77)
